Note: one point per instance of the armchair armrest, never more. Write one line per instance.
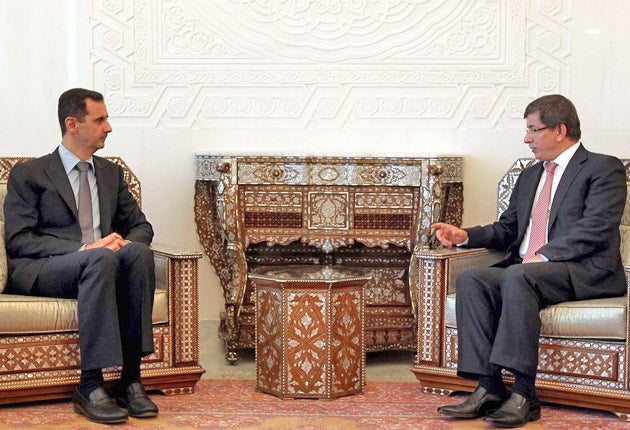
(176, 270)
(456, 260)
(437, 271)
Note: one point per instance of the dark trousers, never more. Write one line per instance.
(114, 291)
(497, 311)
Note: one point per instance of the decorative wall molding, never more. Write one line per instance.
(328, 63)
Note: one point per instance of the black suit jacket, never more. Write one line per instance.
(583, 223)
(41, 215)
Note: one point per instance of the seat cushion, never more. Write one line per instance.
(584, 319)
(35, 315)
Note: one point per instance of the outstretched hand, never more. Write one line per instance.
(448, 234)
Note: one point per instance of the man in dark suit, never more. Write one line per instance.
(103, 260)
(570, 252)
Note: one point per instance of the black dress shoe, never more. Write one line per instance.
(99, 407)
(478, 404)
(137, 402)
(516, 412)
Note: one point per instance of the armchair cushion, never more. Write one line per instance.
(38, 315)
(584, 319)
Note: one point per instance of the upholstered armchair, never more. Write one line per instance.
(583, 354)
(39, 349)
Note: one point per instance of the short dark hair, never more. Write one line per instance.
(555, 109)
(72, 103)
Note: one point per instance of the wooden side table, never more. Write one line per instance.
(310, 341)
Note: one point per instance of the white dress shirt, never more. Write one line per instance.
(69, 161)
(562, 161)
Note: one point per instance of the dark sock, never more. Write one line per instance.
(130, 373)
(493, 383)
(524, 385)
(91, 379)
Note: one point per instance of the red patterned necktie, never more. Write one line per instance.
(540, 217)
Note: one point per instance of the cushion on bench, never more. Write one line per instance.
(584, 319)
(35, 315)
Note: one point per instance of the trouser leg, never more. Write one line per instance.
(498, 318)
(90, 277)
(136, 288)
(478, 307)
(525, 290)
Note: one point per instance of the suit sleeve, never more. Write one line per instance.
(129, 220)
(25, 236)
(587, 225)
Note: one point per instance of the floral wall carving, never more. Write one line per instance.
(327, 63)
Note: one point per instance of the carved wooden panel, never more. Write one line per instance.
(369, 215)
(574, 361)
(309, 331)
(46, 355)
(360, 64)
(269, 340)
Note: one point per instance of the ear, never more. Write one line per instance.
(561, 132)
(71, 123)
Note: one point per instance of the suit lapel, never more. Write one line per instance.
(573, 168)
(104, 174)
(59, 179)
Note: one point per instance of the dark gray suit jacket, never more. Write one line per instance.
(41, 215)
(583, 223)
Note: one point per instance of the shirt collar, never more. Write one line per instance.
(563, 159)
(69, 160)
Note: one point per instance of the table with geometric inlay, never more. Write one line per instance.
(310, 340)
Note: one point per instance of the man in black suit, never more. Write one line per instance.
(104, 262)
(576, 256)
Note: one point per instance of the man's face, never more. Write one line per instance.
(543, 141)
(94, 128)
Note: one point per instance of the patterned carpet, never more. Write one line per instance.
(235, 404)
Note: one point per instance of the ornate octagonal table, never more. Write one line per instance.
(310, 340)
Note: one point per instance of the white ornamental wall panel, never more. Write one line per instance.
(328, 63)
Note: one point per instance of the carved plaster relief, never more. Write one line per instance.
(327, 63)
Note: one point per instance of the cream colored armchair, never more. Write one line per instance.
(39, 349)
(583, 354)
